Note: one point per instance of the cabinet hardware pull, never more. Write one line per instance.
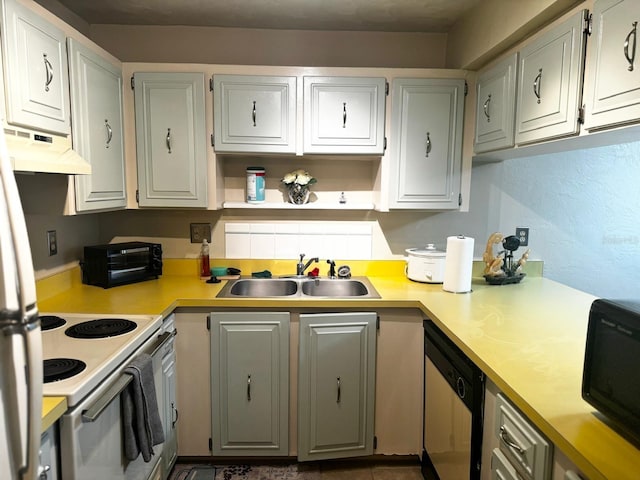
(537, 85)
(175, 410)
(486, 108)
(253, 113)
(249, 388)
(109, 132)
(169, 139)
(49, 72)
(344, 115)
(338, 398)
(428, 148)
(631, 58)
(506, 438)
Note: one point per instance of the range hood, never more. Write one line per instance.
(31, 151)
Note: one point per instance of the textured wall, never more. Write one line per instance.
(583, 209)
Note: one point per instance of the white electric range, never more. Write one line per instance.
(90, 432)
(100, 356)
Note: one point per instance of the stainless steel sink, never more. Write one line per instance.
(334, 288)
(262, 287)
(358, 287)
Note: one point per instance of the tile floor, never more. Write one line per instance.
(401, 470)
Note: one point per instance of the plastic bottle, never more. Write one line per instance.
(205, 269)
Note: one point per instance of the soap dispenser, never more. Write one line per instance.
(205, 269)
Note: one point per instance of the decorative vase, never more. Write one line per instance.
(298, 194)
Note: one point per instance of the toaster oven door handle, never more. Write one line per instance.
(93, 412)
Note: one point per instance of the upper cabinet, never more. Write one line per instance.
(550, 83)
(254, 113)
(426, 143)
(171, 139)
(495, 107)
(96, 102)
(612, 94)
(344, 115)
(35, 70)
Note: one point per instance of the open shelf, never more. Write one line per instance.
(306, 206)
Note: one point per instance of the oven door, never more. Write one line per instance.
(94, 449)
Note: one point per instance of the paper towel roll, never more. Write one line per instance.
(458, 264)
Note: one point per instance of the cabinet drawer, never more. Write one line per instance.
(528, 451)
(501, 469)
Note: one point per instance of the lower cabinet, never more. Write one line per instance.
(336, 385)
(250, 383)
(170, 410)
(48, 461)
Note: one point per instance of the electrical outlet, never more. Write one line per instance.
(200, 231)
(523, 235)
(52, 242)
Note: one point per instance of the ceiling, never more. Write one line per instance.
(357, 15)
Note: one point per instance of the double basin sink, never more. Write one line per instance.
(359, 287)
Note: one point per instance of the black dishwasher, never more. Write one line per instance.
(453, 410)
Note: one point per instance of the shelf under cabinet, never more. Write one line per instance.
(306, 206)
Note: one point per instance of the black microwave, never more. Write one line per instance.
(121, 263)
(611, 376)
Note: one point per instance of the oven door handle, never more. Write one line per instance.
(162, 340)
(93, 412)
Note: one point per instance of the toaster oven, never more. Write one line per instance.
(121, 263)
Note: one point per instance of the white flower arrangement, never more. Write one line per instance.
(298, 177)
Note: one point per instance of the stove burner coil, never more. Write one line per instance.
(55, 369)
(49, 322)
(101, 328)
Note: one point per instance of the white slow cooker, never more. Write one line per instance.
(425, 264)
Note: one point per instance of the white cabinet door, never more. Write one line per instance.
(96, 102)
(495, 107)
(35, 70)
(171, 139)
(250, 383)
(550, 83)
(254, 113)
(336, 385)
(426, 147)
(344, 115)
(613, 81)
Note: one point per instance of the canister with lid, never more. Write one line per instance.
(255, 184)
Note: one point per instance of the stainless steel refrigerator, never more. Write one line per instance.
(20, 337)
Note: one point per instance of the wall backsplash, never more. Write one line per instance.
(582, 208)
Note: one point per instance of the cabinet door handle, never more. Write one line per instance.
(175, 419)
(253, 113)
(169, 140)
(631, 58)
(537, 83)
(248, 388)
(49, 72)
(485, 108)
(109, 132)
(339, 393)
(344, 115)
(428, 146)
(509, 442)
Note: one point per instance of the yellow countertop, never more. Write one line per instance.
(528, 339)
(52, 410)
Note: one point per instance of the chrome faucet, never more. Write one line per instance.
(301, 266)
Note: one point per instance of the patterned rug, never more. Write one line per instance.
(243, 472)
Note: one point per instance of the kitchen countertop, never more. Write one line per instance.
(52, 410)
(528, 339)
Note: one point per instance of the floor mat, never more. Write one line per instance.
(250, 472)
